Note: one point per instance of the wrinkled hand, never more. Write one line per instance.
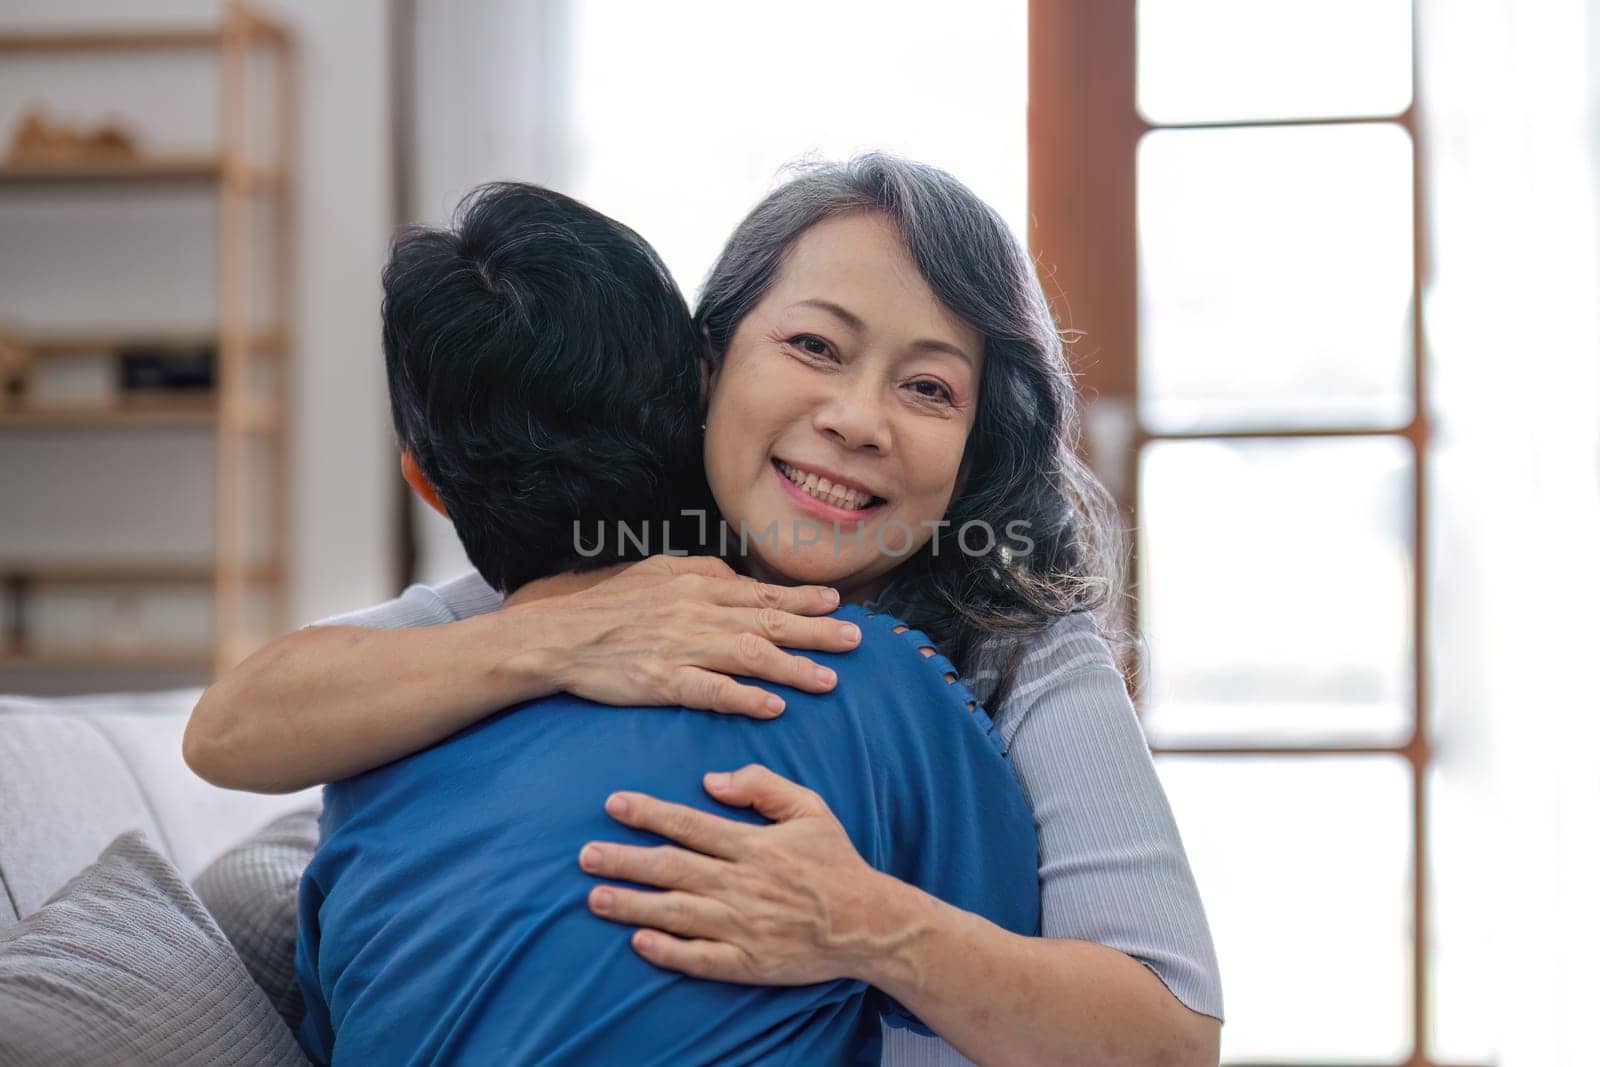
(671, 629)
(788, 903)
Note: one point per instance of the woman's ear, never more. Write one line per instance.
(708, 382)
(419, 482)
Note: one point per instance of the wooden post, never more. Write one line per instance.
(233, 337)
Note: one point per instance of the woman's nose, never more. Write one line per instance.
(854, 415)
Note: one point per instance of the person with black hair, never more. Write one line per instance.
(877, 350)
(543, 376)
(542, 373)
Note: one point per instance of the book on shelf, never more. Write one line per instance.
(188, 369)
(104, 378)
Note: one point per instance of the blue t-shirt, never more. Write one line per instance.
(444, 918)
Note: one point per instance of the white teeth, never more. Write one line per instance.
(824, 490)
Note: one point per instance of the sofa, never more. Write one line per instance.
(77, 771)
(146, 916)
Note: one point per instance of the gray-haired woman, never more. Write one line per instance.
(880, 359)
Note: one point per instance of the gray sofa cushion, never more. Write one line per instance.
(252, 891)
(124, 966)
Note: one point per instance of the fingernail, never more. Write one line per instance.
(601, 898)
(589, 858)
(850, 632)
(719, 780)
(825, 676)
(774, 704)
(617, 804)
(643, 940)
(831, 595)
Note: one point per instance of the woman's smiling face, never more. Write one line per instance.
(845, 397)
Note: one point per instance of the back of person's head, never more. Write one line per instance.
(543, 373)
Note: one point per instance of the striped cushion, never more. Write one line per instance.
(251, 890)
(123, 965)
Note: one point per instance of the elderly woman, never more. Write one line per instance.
(880, 360)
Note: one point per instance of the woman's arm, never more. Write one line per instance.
(1003, 998)
(793, 903)
(1112, 866)
(328, 702)
(331, 701)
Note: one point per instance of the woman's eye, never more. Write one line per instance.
(933, 390)
(812, 346)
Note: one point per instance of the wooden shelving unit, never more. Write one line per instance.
(174, 168)
(198, 658)
(55, 343)
(168, 169)
(162, 415)
(102, 573)
(251, 416)
(236, 412)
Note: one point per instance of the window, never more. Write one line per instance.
(1226, 199)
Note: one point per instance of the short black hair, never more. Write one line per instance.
(543, 372)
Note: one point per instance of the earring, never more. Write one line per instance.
(702, 427)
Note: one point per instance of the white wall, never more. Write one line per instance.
(345, 481)
(116, 258)
(490, 102)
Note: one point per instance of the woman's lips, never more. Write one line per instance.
(821, 508)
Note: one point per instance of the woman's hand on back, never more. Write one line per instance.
(675, 629)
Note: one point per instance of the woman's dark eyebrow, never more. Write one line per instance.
(849, 318)
(853, 321)
(942, 346)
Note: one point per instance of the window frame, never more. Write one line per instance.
(1084, 129)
